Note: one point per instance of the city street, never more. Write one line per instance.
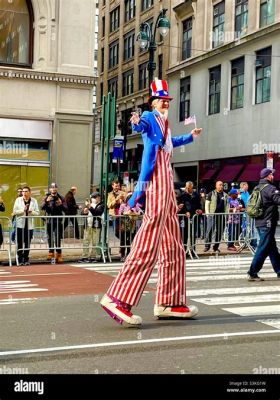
(51, 322)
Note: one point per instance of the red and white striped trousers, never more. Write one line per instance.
(157, 241)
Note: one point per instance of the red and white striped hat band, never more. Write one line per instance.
(159, 89)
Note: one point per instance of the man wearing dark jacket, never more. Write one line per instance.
(189, 205)
(266, 226)
(54, 204)
(94, 211)
(72, 208)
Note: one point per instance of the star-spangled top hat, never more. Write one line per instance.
(159, 90)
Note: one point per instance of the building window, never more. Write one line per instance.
(160, 66)
(143, 76)
(129, 10)
(102, 59)
(214, 90)
(237, 83)
(185, 96)
(128, 45)
(187, 39)
(263, 75)
(146, 4)
(128, 82)
(103, 27)
(241, 17)
(101, 92)
(267, 12)
(115, 19)
(16, 32)
(113, 86)
(218, 24)
(113, 54)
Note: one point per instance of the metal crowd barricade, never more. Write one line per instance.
(49, 235)
(233, 229)
(6, 230)
(121, 230)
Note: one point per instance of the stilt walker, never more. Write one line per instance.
(158, 240)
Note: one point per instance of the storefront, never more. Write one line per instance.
(24, 158)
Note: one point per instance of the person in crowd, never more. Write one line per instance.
(72, 209)
(247, 223)
(202, 226)
(2, 209)
(12, 239)
(94, 210)
(115, 198)
(158, 240)
(216, 202)
(55, 206)
(236, 205)
(189, 205)
(266, 227)
(123, 187)
(128, 221)
(25, 207)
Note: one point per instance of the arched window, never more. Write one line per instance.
(16, 32)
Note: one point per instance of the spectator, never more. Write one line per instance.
(25, 206)
(216, 202)
(244, 194)
(2, 209)
(94, 210)
(72, 209)
(114, 201)
(13, 233)
(54, 204)
(129, 217)
(266, 227)
(236, 205)
(247, 223)
(191, 206)
(123, 187)
(202, 226)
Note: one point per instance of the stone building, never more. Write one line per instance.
(223, 67)
(46, 86)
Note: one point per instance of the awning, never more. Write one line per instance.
(229, 172)
(209, 174)
(251, 173)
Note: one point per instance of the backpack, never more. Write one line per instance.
(255, 204)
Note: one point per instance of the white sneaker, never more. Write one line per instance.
(120, 311)
(175, 311)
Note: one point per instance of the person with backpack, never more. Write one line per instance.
(263, 206)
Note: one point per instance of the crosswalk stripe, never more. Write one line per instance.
(232, 290)
(220, 277)
(254, 310)
(275, 323)
(215, 301)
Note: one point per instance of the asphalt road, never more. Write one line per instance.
(60, 328)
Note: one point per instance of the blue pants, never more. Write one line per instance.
(266, 247)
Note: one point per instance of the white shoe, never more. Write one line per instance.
(120, 311)
(175, 311)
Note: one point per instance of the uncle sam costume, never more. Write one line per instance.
(158, 241)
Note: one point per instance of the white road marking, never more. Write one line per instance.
(271, 322)
(5, 302)
(136, 342)
(258, 310)
(232, 290)
(22, 290)
(215, 301)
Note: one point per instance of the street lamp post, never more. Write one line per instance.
(146, 38)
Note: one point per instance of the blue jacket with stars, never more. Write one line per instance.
(153, 140)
